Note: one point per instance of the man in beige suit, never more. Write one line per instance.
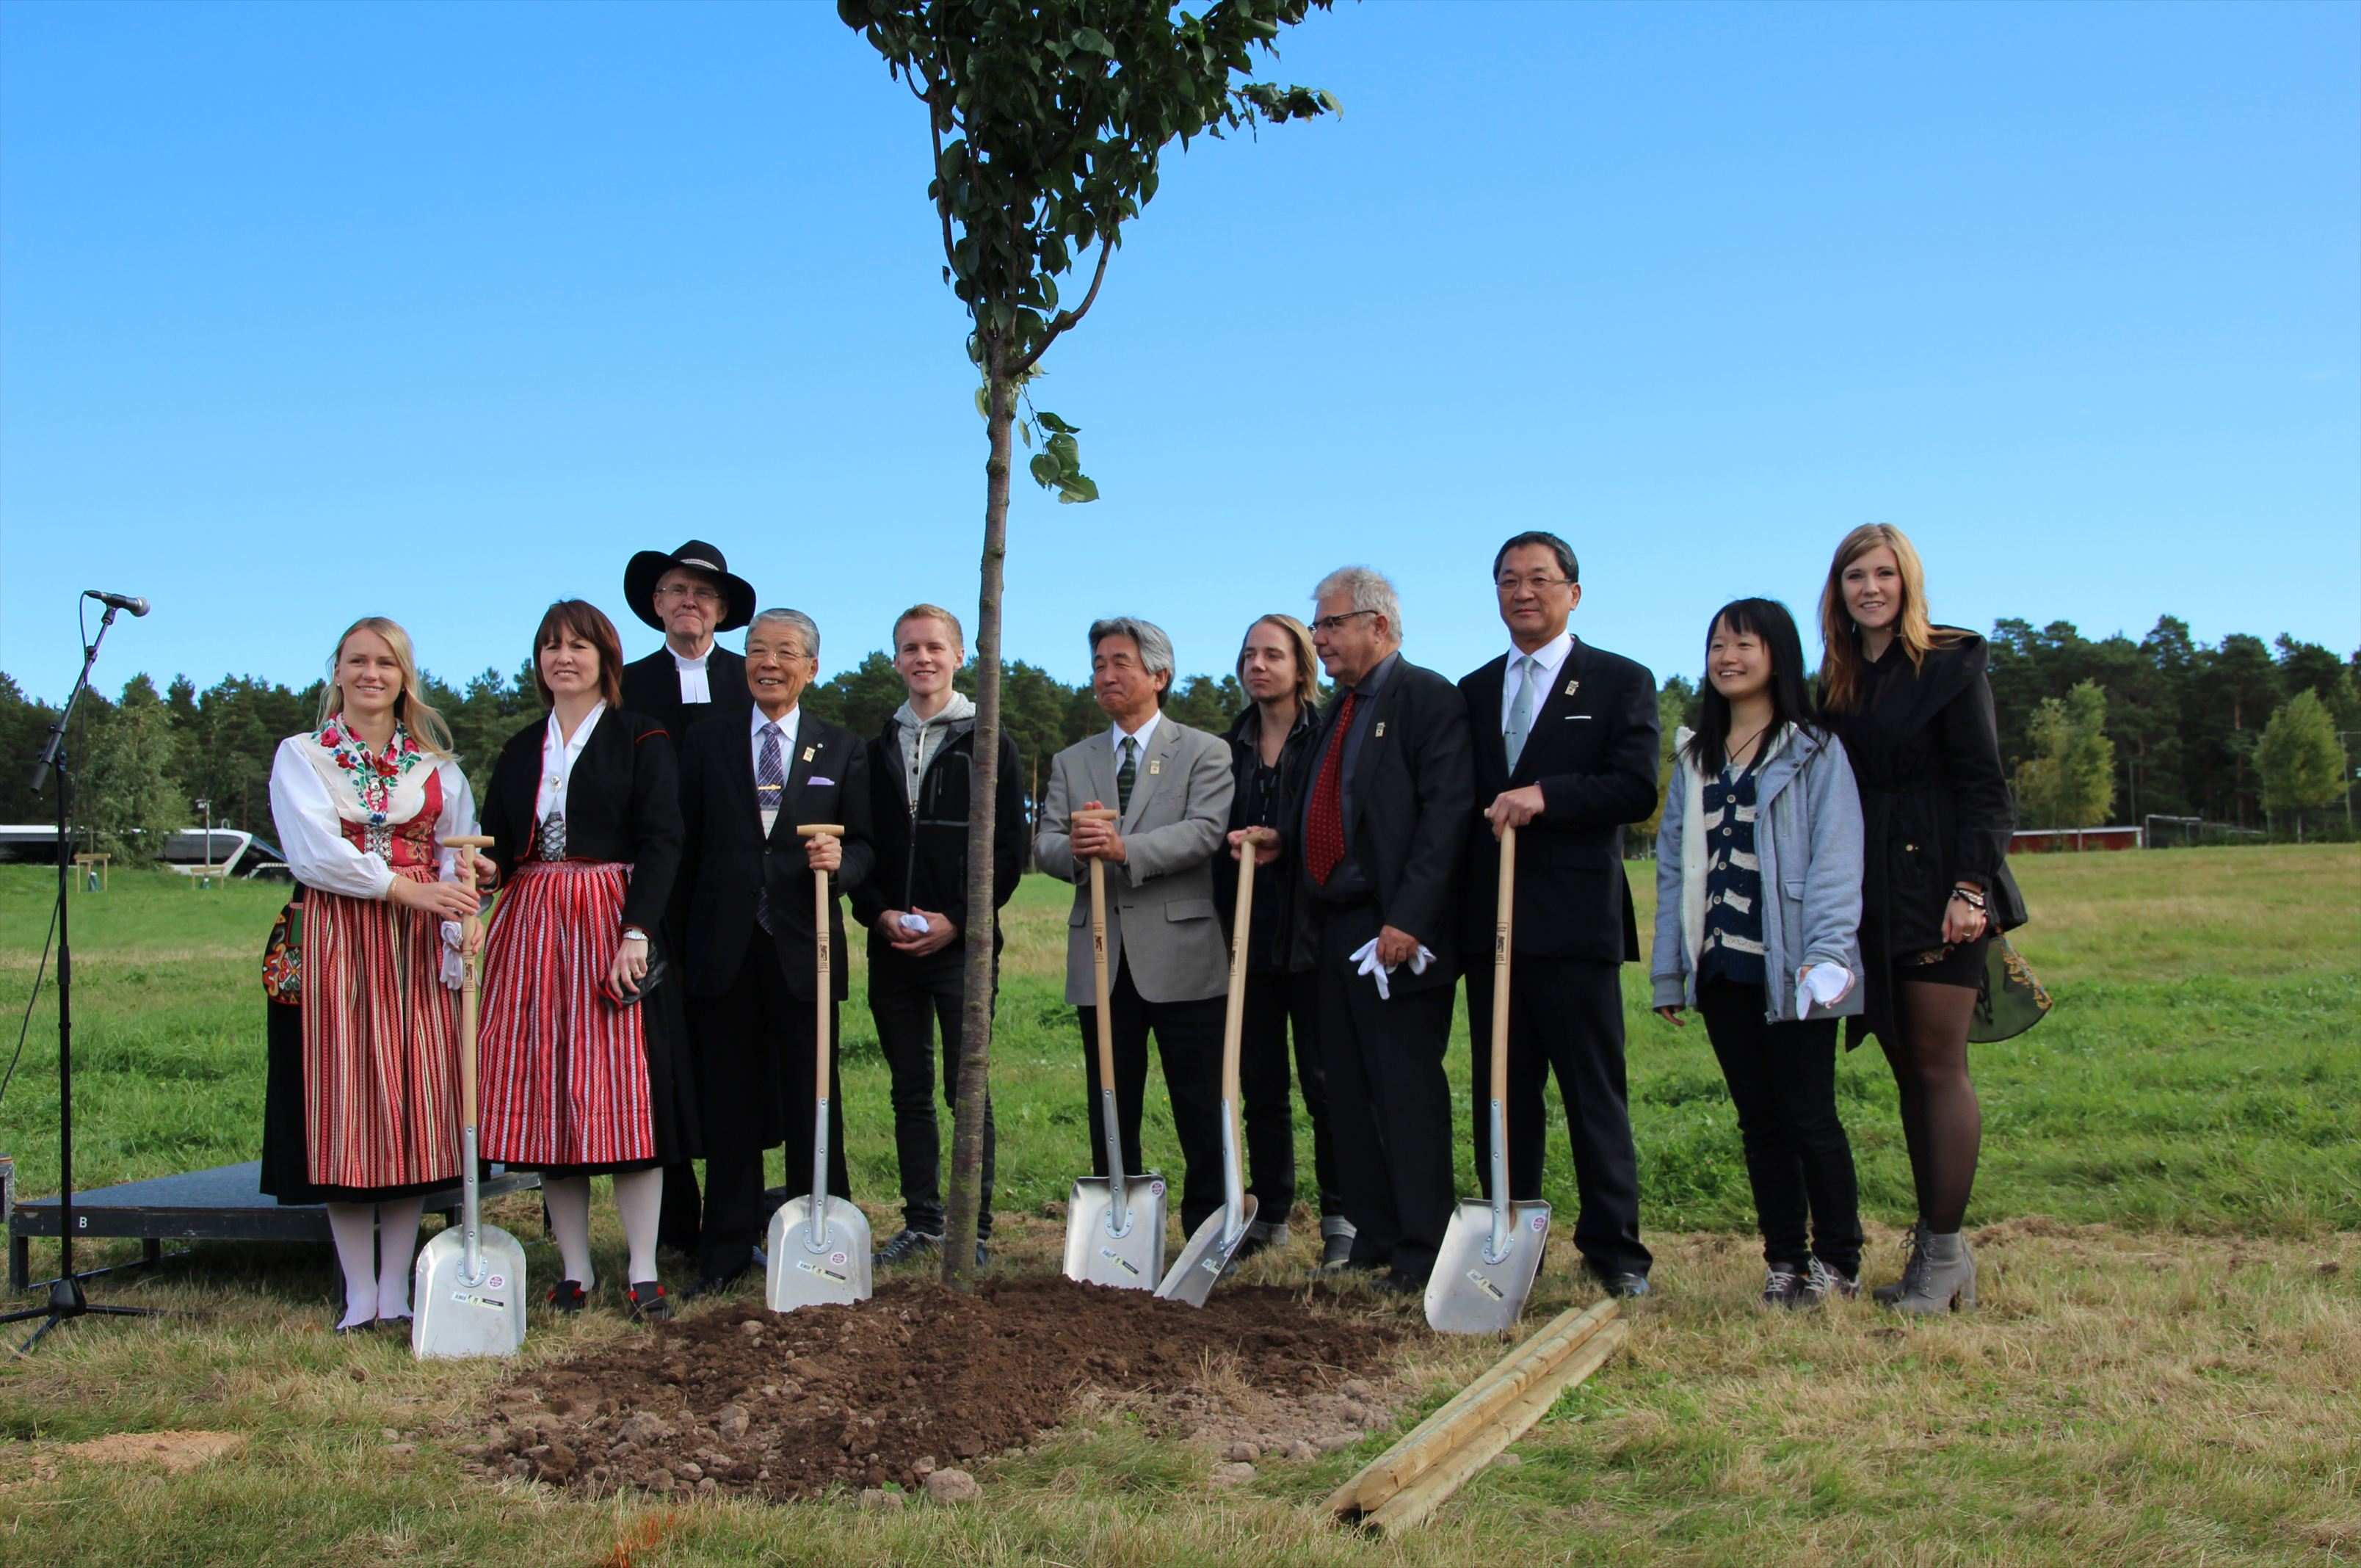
(1169, 967)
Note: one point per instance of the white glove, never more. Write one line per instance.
(454, 967)
(1366, 957)
(914, 924)
(1825, 984)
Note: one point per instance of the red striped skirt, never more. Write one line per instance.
(380, 1044)
(563, 1071)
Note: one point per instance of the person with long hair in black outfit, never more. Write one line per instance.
(1910, 701)
(1758, 920)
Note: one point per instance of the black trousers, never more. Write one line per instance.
(1189, 1039)
(1275, 1006)
(754, 1045)
(1388, 1099)
(911, 1004)
(1782, 1079)
(1565, 1017)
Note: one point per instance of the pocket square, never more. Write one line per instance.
(818, 782)
(1572, 716)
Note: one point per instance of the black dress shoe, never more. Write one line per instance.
(1629, 1286)
(566, 1296)
(647, 1303)
(718, 1284)
(1394, 1282)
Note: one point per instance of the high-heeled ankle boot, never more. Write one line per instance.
(1886, 1295)
(1944, 1279)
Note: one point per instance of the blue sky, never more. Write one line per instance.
(439, 312)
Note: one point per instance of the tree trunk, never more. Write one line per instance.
(966, 1185)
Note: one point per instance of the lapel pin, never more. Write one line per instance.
(807, 752)
(1572, 688)
(1380, 732)
(1155, 767)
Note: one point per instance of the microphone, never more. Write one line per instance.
(117, 601)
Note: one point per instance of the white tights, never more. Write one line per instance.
(639, 1200)
(374, 1247)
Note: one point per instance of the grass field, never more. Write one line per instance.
(2165, 1370)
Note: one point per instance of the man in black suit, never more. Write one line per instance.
(1565, 745)
(1377, 837)
(689, 595)
(750, 949)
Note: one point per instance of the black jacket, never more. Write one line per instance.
(922, 852)
(1924, 750)
(1270, 949)
(1593, 750)
(621, 804)
(651, 686)
(1407, 827)
(727, 860)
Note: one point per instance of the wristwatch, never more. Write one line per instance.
(633, 933)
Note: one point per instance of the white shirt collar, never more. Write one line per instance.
(789, 727)
(1115, 734)
(1550, 655)
(682, 662)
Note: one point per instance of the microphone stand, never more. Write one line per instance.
(67, 1300)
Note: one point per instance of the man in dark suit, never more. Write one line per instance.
(751, 952)
(689, 595)
(1565, 745)
(1378, 838)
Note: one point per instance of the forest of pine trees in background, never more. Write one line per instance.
(2184, 721)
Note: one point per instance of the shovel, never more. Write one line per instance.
(1114, 1223)
(818, 1244)
(1207, 1256)
(1491, 1251)
(468, 1290)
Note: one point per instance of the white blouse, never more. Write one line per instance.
(311, 826)
(558, 756)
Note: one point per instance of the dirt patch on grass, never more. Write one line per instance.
(175, 1451)
(747, 1401)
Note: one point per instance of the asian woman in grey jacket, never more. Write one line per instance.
(1758, 929)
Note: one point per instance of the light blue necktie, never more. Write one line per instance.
(1521, 711)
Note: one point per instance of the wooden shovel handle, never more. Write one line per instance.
(1504, 922)
(1233, 1015)
(1096, 814)
(1100, 978)
(824, 986)
(467, 844)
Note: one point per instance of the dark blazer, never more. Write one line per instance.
(1412, 790)
(622, 804)
(1594, 751)
(727, 860)
(651, 686)
(1271, 942)
(922, 853)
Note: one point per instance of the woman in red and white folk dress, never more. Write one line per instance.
(582, 1070)
(362, 805)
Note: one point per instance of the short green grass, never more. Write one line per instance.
(2164, 1371)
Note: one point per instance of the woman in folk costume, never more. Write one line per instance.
(363, 804)
(583, 1069)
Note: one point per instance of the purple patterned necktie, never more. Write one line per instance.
(770, 792)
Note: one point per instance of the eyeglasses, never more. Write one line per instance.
(701, 594)
(1510, 583)
(1332, 624)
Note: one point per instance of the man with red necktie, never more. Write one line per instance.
(1378, 835)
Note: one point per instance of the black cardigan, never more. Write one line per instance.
(1924, 750)
(1271, 945)
(622, 804)
(922, 854)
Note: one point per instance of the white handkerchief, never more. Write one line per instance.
(1366, 957)
(914, 924)
(1821, 983)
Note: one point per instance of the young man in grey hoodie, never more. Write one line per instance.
(921, 771)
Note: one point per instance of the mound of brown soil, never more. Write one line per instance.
(783, 1405)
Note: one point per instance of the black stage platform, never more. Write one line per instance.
(224, 1204)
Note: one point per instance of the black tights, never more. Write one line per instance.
(1942, 1122)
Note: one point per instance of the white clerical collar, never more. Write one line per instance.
(683, 662)
(1140, 736)
(1550, 656)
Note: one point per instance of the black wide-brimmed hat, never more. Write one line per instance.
(640, 582)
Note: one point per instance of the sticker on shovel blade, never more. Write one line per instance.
(824, 1272)
(471, 1299)
(496, 1282)
(1119, 1261)
(1540, 1223)
(1156, 1190)
(1486, 1286)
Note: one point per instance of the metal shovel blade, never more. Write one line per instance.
(452, 1315)
(1094, 1254)
(835, 1273)
(1207, 1257)
(1470, 1292)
